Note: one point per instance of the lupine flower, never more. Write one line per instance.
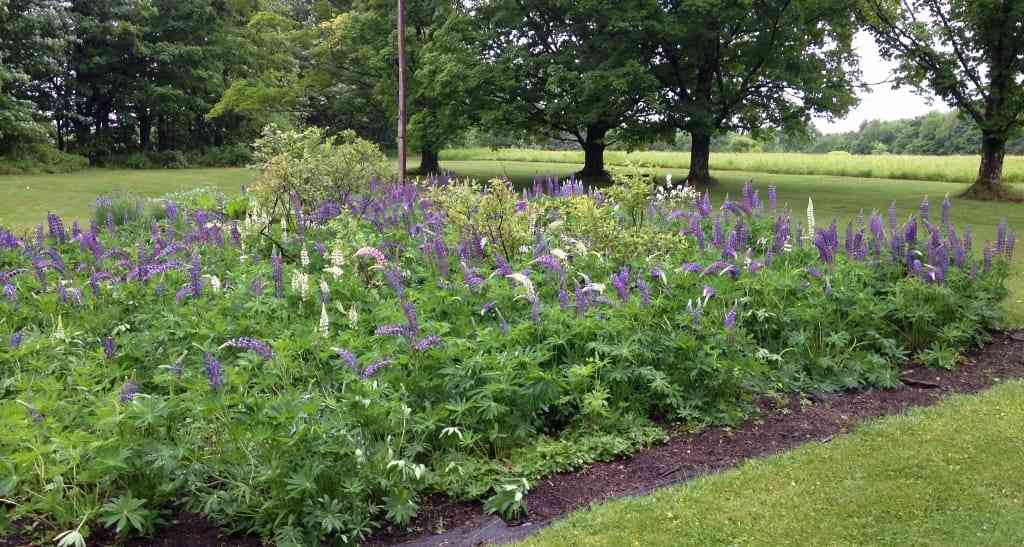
(550, 263)
(195, 277)
(645, 291)
(109, 348)
(730, 318)
(410, 316)
(374, 253)
(470, 277)
(56, 228)
(1001, 236)
(703, 205)
(111, 227)
(810, 217)
(275, 259)
(620, 281)
(16, 339)
(128, 392)
(300, 284)
(1011, 242)
(10, 291)
(236, 236)
(348, 358)
(426, 343)
(324, 327)
(395, 281)
(696, 311)
(707, 292)
(304, 257)
(772, 197)
(214, 373)
(987, 254)
(946, 206)
(375, 367)
(925, 208)
(813, 272)
(391, 330)
(246, 343)
(910, 231)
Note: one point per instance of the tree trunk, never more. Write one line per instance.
(145, 129)
(593, 155)
(429, 162)
(700, 159)
(989, 184)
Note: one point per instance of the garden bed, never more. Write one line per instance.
(780, 425)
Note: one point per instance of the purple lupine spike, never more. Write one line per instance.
(256, 287)
(946, 207)
(320, 248)
(692, 267)
(236, 236)
(56, 226)
(563, 297)
(645, 291)
(441, 255)
(987, 253)
(813, 272)
(551, 264)
(968, 239)
(410, 316)
(10, 291)
(729, 322)
(535, 308)
(39, 235)
(275, 259)
(703, 205)
(109, 349)
(195, 273)
(171, 210)
(1001, 236)
(825, 252)
(426, 343)
(391, 330)
(374, 368)
(848, 238)
(620, 281)
(1011, 242)
(582, 301)
(8, 240)
(925, 209)
(214, 372)
(470, 277)
(395, 281)
(111, 227)
(772, 197)
(349, 359)
(16, 339)
(910, 231)
(128, 392)
(717, 235)
(781, 231)
(254, 345)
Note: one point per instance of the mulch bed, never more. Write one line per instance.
(778, 427)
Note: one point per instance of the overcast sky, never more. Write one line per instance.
(882, 102)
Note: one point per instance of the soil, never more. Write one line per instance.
(780, 425)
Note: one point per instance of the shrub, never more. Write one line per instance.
(313, 388)
(40, 158)
(314, 167)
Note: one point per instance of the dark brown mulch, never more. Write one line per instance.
(686, 455)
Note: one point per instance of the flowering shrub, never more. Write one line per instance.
(316, 381)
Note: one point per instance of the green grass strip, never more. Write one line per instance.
(952, 474)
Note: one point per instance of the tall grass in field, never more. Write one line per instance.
(936, 168)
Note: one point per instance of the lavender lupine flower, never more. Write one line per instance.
(56, 226)
(411, 318)
(535, 307)
(374, 253)
(426, 343)
(925, 208)
(692, 267)
(214, 372)
(246, 343)
(348, 358)
(502, 266)
(910, 231)
(1011, 242)
(717, 235)
(171, 210)
(645, 291)
(582, 301)
(987, 253)
(968, 239)
(772, 197)
(109, 349)
(395, 281)
(703, 205)
(392, 330)
(440, 251)
(707, 292)
(551, 264)
(563, 297)
(813, 272)
(275, 259)
(470, 277)
(10, 291)
(16, 339)
(825, 252)
(236, 236)
(620, 281)
(946, 206)
(730, 318)
(39, 235)
(1001, 236)
(128, 392)
(374, 368)
(195, 273)
(111, 227)
(736, 208)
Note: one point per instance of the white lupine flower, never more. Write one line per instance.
(668, 179)
(324, 328)
(284, 231)
(810, 218)
(522, 280)
(337, 257)
(214, 282)
(300, 283)
(304, 257)
(560, 254)
(594, 287)
(353, 317)
(323, 287)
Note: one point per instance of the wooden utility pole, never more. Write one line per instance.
(401, 90)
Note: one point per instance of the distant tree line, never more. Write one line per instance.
(109, 77)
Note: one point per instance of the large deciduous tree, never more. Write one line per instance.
(751, 65)
(570, 70)
(968, 52)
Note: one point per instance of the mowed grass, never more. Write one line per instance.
(945, 475)
(929, 168)
(25, 199)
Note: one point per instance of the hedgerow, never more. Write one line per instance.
(312, 376)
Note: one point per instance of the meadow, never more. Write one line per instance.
(925, 168)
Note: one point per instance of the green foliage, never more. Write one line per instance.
(27, 159)
(314, 167)
(307, 444)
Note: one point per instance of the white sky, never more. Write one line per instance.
(881, 101)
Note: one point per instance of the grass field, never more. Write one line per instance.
(928, 168)
(936, 476)
(25, 199)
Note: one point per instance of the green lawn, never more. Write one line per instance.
(945, 475)
(25, 199)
